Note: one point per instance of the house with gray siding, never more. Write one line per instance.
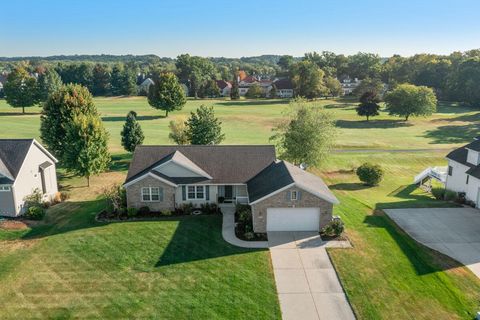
(25, 166)
(283, 197)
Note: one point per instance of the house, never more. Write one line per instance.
(348, 85)
(284, 88)
(225, 87)
(464, 171)
(24, 167)
(245, 84)
(282, 196)
(145, 86)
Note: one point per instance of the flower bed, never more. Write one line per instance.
(244, 225)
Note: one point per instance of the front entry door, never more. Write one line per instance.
(228, 192)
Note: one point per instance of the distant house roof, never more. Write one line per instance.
(283, 84)
(249, 79)
(147, 82)
(12, 156)
(222, 84)
(282, 174)
(225, 164)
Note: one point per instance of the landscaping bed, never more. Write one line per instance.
(244, 225)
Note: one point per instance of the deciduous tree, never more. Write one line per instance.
(178, 131)
(48, 82)
(203, 127)
(254, 92)
(21, 88)
(368, 106)
(409, 100)
(166, 93)
(307, 79)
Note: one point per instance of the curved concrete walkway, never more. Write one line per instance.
(228, 231)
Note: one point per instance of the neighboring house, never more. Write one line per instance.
(145, 86)
(284, 88)
(282, 196)
(225, 88)
(464, 171)
(245, 84)
(24, 167)
(348, 85)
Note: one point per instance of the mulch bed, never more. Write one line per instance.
(104, 216)
(13, 225)
(341, 237)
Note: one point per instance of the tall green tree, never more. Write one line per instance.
(363, 65)
(48, 82)
(234, 92)
(132, 134)
(368, 106)
(203, 127)
(285, 62)
(87, 140)
(369, 85)
(210, 89)
(178, 131)
(255, 92)
(409, 100)
(166, 93)
(307, 79)
(306, 135)
(333, 86)
(21, 88)
(195, 71)
(101, 80)
(59, 110)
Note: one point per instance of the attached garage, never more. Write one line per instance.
(293, 219)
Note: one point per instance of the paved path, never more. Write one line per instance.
(390, 150)
(454, 232)
(307, 284)
(228, 231)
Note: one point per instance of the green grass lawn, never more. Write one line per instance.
(251, 121)
(70, 266)
(180, 268)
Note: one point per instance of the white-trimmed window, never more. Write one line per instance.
(294, 195)
(152, 194)
(195, 192)
(4, 188)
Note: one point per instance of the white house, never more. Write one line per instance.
(464, 171)
(284, 88)
(25, 166)
(348, 85)
(225, 87)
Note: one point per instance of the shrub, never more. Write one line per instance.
(35, 213)
(249, 235)
(132, 212)
(144, 210)
(166, 212)
(208, 208)
(187, 208)
(450, 195)
(64, 196)
(370, 174)
(34, 199)
(438, 193)
(334, 228)
(115, 197)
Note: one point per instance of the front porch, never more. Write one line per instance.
(232, 194)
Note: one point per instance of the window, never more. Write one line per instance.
(196, 193)
(468, 178)
(150, 194)
(294, 195)
(4, 188)
(450, 170)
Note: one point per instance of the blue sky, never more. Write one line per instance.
(237, 28)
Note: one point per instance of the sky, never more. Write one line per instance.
(237, 28)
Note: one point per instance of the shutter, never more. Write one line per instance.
(299, 195)
(207, 193)
(160, 194)
(184, 193)
(289, 196)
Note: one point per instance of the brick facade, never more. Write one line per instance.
(134, 195)
(279, 200)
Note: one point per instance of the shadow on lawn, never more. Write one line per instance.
(198, 238)
(140, 118)
(373, 124)
(354, 186)
(5, 114)
(456, 133)
(120, 162)
(244, 103)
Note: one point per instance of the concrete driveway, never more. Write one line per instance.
(452, 231)
(307, 285)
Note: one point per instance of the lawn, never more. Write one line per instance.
(71, 266)
(251, 121)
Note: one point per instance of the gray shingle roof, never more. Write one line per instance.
(225, 164)
(281, 174)
(475, 145)
(460, 155)
(13, 152)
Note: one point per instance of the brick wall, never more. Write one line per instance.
(279, 200)
(134, 195)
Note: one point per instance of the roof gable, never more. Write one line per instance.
(13, 153)
(179, 159)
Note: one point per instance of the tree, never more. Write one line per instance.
(307, 134)
(203, 127)
(123, 80)
(273, 92)
(370, 174)
(463, 82)
(307, 79)
(117, 80)
(132, 134)
(210, 89)
(21, 88)
(363, 65)
(254, 92)
(87, 152)
(195, 71)
(48, 82)
(101, 80)
(234, 93)
(368, 106)
(285, 62)
(369, 85)
(166, 93)
(59, 110)
(333, 86)
(409, 100)
(178, 131)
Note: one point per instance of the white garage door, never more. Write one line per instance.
(293, 219)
